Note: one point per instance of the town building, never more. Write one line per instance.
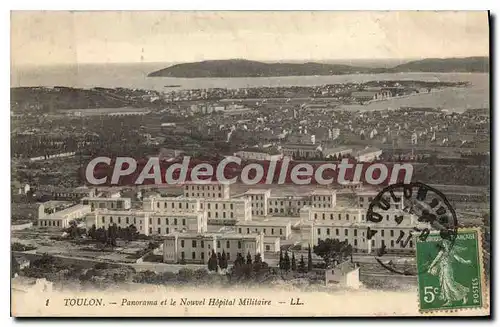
(259, 201)
(351, 225)
(339, 152)
(368, 154)
(259, 154)
(291, 205)
(62, 218)
(272, 244)
(302, 150)
(195, 248)
(364, 96)
(148, 222)
(345, 274)
(207, 190)
(271, 227)
(220, 211)
(72, 194)
(110, 203)
(227, 211)
(302, 138)
(171, 205)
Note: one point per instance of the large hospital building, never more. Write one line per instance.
(207, 217)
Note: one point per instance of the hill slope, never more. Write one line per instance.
(470, 65)
(248, 68)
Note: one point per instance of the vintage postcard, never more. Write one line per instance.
(250, 164)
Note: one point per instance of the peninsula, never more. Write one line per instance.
(248, 68)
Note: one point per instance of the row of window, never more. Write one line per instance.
(128, 220)
(51, 223)
(382, 243)
(194, 244)
(346, 232)
(216, 215)
(205, 195)
(101, 205)
(256, 212)
(167, 230)
(305, 203)
(202, 255)
(321, 198)
(263, 230)
(172, 205)
(323, 216)
(217, 206)
(202, 187)
(316, 205)
(179, 205)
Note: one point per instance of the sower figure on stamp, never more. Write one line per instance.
(451, 290)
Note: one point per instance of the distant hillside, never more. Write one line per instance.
(248, 68)
(470, 65)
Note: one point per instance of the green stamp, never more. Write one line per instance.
(450, 274)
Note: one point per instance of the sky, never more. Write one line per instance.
(63, 37)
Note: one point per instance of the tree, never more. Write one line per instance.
(294, 264)
(257, 262)
(223, 260)
(280, 264)
(72, 230)
(212, 262)
(239, 261)
(14, 266)
(348, 251)
(309, 259)
(92, 232)
(249, 259)
(112, 234)
(302, 265)
(286, 262)
(331, 250)
(133, 232)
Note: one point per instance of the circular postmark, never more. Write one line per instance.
(419, 210)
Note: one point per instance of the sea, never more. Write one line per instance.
(134, 76)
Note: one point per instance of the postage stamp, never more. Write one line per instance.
(451, 276)
(236, 164)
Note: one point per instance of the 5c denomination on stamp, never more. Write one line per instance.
(452, 277)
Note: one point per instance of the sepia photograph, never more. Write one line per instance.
(250, 163)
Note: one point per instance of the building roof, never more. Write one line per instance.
(174, 198)
(225, 200)
(265, 222)
(363, 94)
(368, 151)
(95, 198)
(335, 209)
(257, 191)
(301, 146)
(223, 236)
(205, 182)
(270, 150)
(320, 191)
(342, 149)
(62, 214)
